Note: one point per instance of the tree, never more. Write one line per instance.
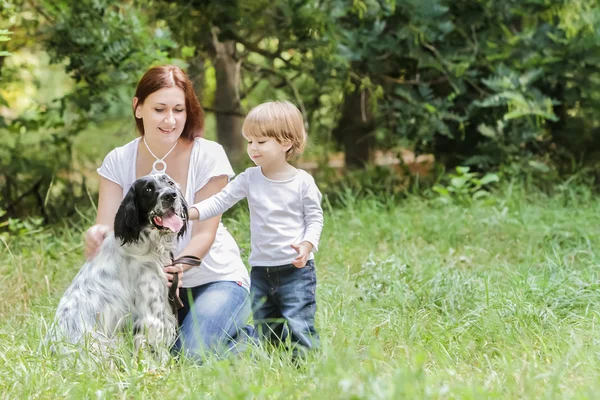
(479, 83)
(106, 46)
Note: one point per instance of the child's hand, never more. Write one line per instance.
(193, 213)
(303, 250)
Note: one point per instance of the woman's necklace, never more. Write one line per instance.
(159, 161)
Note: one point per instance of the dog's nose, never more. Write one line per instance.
(170, 195)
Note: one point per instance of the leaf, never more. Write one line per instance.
(530, 76)
(378, 27)
(487, 131)
(405, 94)
(430, 108)
(539, 166)
(524, 112)
(459, 181)
(489, 178)
(446, 27)
(480, 194)
(441, 190)
(426, 92)
(188, 51)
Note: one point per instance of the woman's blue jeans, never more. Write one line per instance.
(213, 320)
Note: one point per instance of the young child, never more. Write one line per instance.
(286, 220)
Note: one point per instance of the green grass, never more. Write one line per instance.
(415, 300)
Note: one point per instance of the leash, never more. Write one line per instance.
(174, 300)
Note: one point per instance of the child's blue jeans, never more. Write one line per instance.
(285, 294)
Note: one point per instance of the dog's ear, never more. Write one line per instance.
(127, 221)
(184, 214)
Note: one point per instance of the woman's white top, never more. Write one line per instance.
(207, 160)
(282, 213)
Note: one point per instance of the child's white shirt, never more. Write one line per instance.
(282, 213)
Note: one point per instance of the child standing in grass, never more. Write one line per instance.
(286, 220)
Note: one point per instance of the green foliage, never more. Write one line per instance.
(523, 125)
(371, 182)
(105, 46)
(18, 227)
(486, 84)
(282, 53)
(4, 37)
(465, 187)
(450, 71)
(35, 160)
(518, 94)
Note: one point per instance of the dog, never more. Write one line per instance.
(124, 285)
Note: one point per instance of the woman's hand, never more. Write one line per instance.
(93, 239)
(171, 270)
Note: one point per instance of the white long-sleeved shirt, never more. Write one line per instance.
(281, 213)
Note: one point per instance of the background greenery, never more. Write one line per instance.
(459, 257)
(505, 86)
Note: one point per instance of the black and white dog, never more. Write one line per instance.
(124, 285)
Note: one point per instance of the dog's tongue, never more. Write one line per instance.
(170, 220)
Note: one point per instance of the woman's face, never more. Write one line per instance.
(163, 114)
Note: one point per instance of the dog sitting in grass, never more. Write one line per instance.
(124, 287)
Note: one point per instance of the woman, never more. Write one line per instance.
(170, 120)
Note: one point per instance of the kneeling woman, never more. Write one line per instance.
(170, 121)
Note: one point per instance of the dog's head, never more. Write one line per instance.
(153, 203)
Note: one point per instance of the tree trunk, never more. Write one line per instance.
(197, 74)
(355, 128)
(227, 104)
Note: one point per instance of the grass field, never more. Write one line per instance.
(415, 300)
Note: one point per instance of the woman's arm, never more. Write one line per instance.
(109, 199)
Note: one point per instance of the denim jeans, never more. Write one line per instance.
(213, 320)
(285, 294)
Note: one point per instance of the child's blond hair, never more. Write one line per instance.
(280, 120)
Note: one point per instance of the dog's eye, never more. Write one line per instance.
(148, 189)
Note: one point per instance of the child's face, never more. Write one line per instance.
(265, 151)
